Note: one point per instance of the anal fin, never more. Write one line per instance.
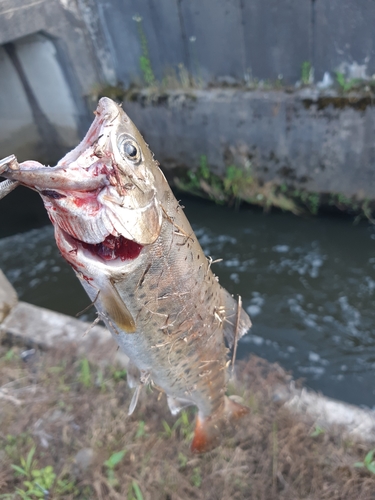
(177, 404)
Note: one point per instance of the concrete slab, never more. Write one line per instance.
(8, 297)
(327, 412)
(34, 326)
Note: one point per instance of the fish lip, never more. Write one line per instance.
(58, 179)
(105, 116)
(32, 174)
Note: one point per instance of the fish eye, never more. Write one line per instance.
(129, 149)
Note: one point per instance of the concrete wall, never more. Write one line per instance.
(237, 39)
(47, 67)
(54, 55)
(319, 143)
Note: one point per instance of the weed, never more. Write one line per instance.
(306, 73)
(344, 84)
(39, 482)
(221, 190)
(317, 431)
(186, 428)
(196, 477)
(85, 373)
(144, 60)
(362, 208)
(110, 465)
(26, 464)
(309, 200)
(236, 181)
(182, 424)
(168, 430)
(368, 462)
(182, 460)
(9, 355)
(118, 375)
(134, 491)
(141, 432)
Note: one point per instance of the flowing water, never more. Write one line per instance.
(308, 284)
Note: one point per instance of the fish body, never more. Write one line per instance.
(130, 244)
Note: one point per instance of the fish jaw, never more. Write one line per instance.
(103, 188)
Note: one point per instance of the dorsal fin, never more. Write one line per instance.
(230, 305)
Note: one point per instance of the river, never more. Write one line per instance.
(308, 284)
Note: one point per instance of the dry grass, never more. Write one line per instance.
(61, 405)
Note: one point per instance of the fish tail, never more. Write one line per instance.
(208, 430)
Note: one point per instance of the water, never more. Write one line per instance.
(308, 284)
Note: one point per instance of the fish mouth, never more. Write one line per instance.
(113, 248)
(95, 195)
(112, 251)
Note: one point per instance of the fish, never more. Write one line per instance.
(120, 227)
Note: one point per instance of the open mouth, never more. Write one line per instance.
(113, 248)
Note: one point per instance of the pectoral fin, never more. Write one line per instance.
(134, 401)
(116, 309)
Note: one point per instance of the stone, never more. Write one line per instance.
(8, 297)
(84, 458)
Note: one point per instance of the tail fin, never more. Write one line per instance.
(208, 431)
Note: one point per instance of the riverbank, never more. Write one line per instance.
(64, 401)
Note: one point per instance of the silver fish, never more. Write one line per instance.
(130, 244)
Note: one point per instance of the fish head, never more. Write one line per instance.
(102, 196)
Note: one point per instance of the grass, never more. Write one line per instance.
(51, 409)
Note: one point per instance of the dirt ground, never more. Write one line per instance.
(65, 433)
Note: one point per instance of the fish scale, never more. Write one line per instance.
(141, 264)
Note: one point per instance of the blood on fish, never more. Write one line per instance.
(115, 247)
(88, 199)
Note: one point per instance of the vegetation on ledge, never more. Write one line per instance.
(65, 434)
(240, 185)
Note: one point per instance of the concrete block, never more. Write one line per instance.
(214, 39)
(8, 297)
(35, 326)
(278, 38)
(48, 328)
(344, 37)
(136, 28)
(329, 413)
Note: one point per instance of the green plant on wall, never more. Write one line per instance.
(306, 72)
(144, 60)
(344, 84)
